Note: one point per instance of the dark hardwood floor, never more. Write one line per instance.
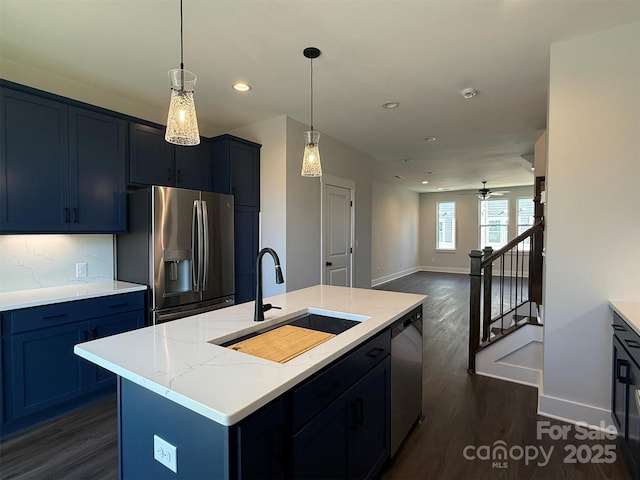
(460, 411)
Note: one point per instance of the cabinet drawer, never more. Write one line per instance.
(322, 389)
(627, 336)
(67, 312)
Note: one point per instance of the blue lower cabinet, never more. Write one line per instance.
(44, 370)
(103, 327)
(352, 433)
(41, 376)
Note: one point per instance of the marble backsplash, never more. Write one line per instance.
(34, 261)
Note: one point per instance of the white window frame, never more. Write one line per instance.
(446, 246)
(504, 223)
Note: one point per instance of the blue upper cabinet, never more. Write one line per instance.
(154, 161)
(237, 169)
(97, 172)
(151, 160)
(193, 166)
(62, 168)
(34, 161)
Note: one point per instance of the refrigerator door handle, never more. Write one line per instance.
(205, 228)
(194, 229)
(201, 247)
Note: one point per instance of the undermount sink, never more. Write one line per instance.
(294, 337)
(312, 321)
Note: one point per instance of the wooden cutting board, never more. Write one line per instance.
(283, 343)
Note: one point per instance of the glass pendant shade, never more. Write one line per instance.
(182, 124)
(311, 166)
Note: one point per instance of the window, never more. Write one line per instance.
(525, 219)
(446, 226)
(494, 223)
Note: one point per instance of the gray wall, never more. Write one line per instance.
(395, 232)
(466, 224)
(303, 208)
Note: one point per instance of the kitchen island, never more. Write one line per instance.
(176, 380)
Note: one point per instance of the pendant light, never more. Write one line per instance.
(311, 166)
(182, 124)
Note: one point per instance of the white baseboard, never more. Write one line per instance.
(394, 276)
(574, 412)
(445, 270)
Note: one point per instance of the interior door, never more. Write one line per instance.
(337, 236)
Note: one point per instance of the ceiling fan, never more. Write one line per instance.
(484, 193)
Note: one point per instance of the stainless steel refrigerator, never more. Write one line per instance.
(179, 243)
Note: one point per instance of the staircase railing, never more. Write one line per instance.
(505, 289)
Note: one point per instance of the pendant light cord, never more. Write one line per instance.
(311, 93)
(181, 40)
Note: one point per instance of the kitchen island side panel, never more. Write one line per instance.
(202, 446)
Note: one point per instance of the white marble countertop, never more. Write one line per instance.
(66, 293)
(629, 311)
(176, 360)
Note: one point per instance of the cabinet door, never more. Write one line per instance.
(319, 450)
(43, 370)
(97, 169)
(103, 327)
(193, 166)
(368, 424)
(246, 252)
(620, 387)
(151, 159)
(633, 419)
(262, 444)
(244, 163)
(34, 179)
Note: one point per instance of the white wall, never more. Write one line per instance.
(34, 261)
(395, 232)
(593, 215)
(271, 134)
(466, 225)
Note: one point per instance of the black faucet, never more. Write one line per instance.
(258, 315)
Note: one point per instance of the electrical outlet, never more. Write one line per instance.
(81, 270)
(165, 453)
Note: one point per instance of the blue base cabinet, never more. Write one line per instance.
(334, 425)
(41, 376)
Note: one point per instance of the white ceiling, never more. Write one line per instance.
(417, 52)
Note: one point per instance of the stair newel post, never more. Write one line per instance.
(475, 285)
(486, 303)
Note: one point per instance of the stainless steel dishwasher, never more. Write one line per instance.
(406, 376)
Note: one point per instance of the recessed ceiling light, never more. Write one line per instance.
(430, 139)
(390, 105)
(424, 182)
(468, 92)
(241, 87)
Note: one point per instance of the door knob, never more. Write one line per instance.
(328, 264)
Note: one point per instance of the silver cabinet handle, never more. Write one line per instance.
(637, 395)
